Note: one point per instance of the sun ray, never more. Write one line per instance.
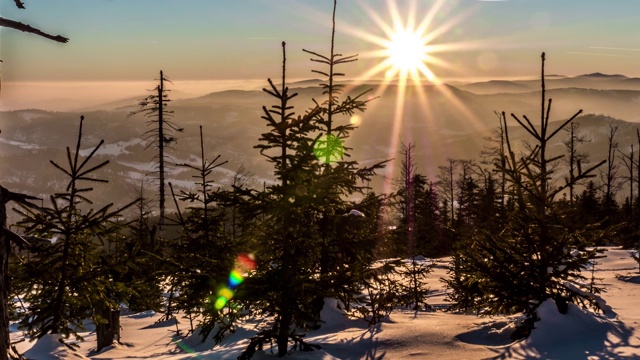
(407, 53)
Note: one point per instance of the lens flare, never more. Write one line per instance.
(244, 264)
(329, 149)
(235, 279)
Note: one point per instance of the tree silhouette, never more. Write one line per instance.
(160, 136)
(6, 238)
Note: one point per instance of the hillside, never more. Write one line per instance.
(443, 121)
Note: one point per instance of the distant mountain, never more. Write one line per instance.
(443, 121)
(597, 81)
(598, 75)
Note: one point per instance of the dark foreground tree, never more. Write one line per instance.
(7, 238)
(66, 281)
(286, 233)
(532, 258)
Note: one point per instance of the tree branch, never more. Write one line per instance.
(27, 28)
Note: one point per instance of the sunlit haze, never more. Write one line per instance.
(122, 40)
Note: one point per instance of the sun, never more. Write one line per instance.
(407, 51)
(407, 54)
(407, 48)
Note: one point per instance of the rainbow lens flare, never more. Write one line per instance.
(244, 264)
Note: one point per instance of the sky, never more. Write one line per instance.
(123, 40)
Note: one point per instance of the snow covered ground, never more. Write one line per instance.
(405, 334)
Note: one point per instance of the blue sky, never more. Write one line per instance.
(240, 39)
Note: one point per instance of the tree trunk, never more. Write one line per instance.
(5, 249)
(107, 333)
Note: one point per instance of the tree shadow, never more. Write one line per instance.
(364, 346)
(583, 335)
(634, 279)
(496, 333)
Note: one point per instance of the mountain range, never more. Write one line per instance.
(443, 121)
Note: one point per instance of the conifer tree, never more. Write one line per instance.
(337, 178)
(204, 253)
(142, 273)
(576, 158)
(302, 253)
(533, 258)
(66, 281)
(281, 283)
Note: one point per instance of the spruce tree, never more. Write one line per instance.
(285, 234)
(142, 275)
(336, 178)
(533, 258)
(204, 254)
(64, 282)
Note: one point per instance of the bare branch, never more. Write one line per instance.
(30, 29)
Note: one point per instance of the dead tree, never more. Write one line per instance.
(629, 162)
(610, 177)
(576, 158)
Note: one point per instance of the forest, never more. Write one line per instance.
(518, 225)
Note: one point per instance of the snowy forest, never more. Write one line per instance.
(515, 234)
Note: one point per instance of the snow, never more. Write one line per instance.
(354, 212)
(115, 149)
(580, 334)
(22, 145)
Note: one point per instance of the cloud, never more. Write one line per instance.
(588, 53)
(613, 48)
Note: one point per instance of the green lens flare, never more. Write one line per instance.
(329, 149)
(220, 303)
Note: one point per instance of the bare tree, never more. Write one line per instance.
(12, 24)
(629, 163)
(447, 186)
(576, 158)
(160, 136)
(609, 177)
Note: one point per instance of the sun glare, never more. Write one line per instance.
(408, 43)
(407, 54)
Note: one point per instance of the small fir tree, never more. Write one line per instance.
(65, 281)
(533, 258)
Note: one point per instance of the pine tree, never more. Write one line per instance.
(142, 275)
(533, 258)
(281, 283)
(204, 254)
(336, 178)
(66, 281)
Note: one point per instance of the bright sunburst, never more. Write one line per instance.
(408, 45)
(407, 54)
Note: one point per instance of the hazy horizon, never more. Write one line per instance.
(77, 95)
